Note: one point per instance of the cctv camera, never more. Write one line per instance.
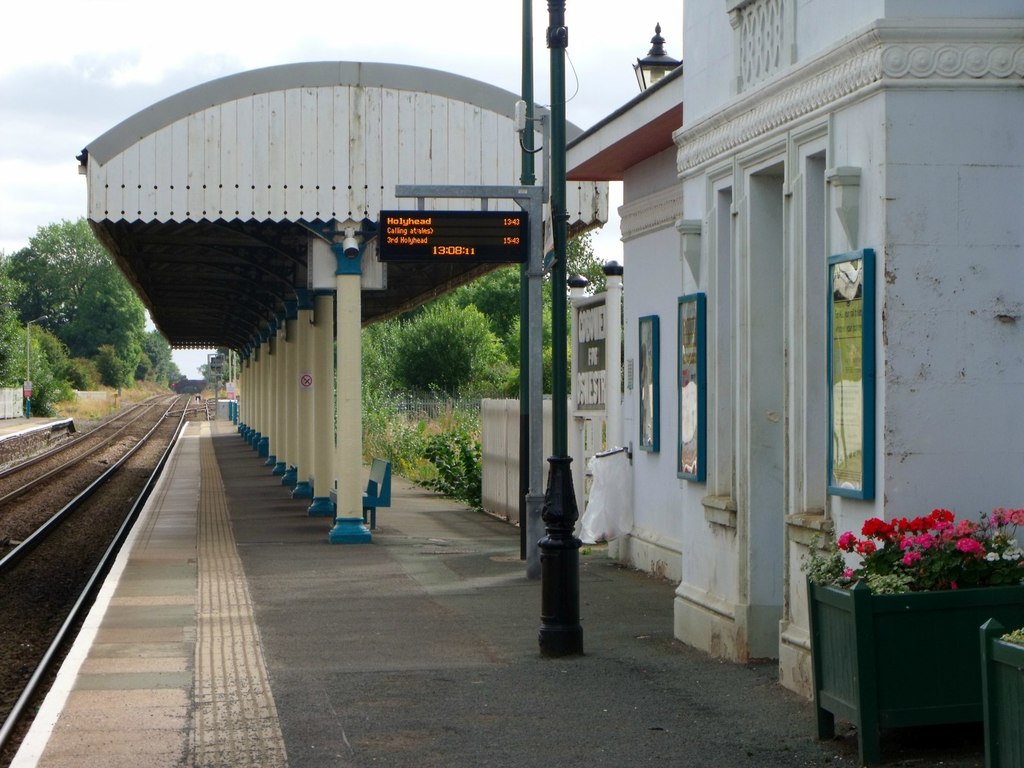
(350, 245)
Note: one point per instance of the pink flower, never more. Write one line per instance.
(910, 558)
(847, 541)
(1003, 516)
(925, 541)
(969, 546)
(964, 528)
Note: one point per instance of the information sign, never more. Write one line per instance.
(473, 236)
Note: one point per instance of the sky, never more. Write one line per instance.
(71, 70)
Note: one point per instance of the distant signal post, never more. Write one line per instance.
(474, 236)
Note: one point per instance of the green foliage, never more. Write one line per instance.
(389, 434)
(55, 267)
(70, 282)
(380, 346)
(450, 349)
(1016, 637)
(108, 312)
(12, 345)
(49, 364)
(496, 295)
(457, 456)
(83, 374)
(441, 452)
(156, 364)
(580, 260)
(114, 370)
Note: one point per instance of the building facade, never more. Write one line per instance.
(823, 298)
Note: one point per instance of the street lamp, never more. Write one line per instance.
(28, 365)
(656, 64)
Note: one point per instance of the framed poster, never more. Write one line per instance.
(851, 374)
(649, 394)
(692, 388)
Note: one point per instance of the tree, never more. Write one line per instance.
(12, 344)
(157, 363)
(496, 295)
(74, 285)
(449, 349)
(108, 312)
(580, 260)
(55, 266)
(115, 371)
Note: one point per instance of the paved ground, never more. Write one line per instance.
(421, 650)
(232, 634)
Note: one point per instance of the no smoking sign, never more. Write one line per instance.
(306, 381)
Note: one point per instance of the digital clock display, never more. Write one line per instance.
(475, 236)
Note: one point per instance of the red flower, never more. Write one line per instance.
(866, 547)
(876, 528)
(847, 542)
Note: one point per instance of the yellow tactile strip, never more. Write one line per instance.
(234, 721)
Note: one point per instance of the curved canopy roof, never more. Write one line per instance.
(213, 201)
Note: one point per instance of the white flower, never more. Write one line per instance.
(992, 556)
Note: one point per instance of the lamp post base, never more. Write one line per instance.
(560, 631)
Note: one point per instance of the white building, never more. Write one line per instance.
(890, 134)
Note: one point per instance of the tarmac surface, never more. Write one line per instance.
(421, 649)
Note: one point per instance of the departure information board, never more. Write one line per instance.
(484, 236)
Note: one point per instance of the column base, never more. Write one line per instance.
(257, 441)
(349, 530)
(322, 506)
(271, 457)
(280, 468)
(302, 490)
(290, 477)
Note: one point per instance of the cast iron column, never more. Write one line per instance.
(560, 630)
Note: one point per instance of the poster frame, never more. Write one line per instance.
(866, 487)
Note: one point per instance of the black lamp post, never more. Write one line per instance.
(560, 630)
(656, 64)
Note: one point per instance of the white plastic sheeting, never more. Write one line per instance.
(609, 512)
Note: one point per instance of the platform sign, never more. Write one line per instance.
(26, 388)
(468, 236)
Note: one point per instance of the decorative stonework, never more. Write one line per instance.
(887, 53)
(651, 213)
(761, 40)
(952, 61)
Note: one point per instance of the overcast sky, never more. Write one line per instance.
(69, 71)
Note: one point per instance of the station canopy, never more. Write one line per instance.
(220, 202)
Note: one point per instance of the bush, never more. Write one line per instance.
(83, 374)
(457, 456)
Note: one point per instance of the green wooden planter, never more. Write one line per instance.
(1003, 697)
(891, 661)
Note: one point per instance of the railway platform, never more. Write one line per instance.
(231, 633)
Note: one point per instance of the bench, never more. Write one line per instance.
(378, 490)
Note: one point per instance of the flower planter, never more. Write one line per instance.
(1003, 697)
(886, 661)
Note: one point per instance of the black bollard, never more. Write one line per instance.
(560, 631)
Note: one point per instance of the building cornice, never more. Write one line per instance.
(650, 213)
(890, 53)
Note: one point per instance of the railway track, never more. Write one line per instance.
(49, 574)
